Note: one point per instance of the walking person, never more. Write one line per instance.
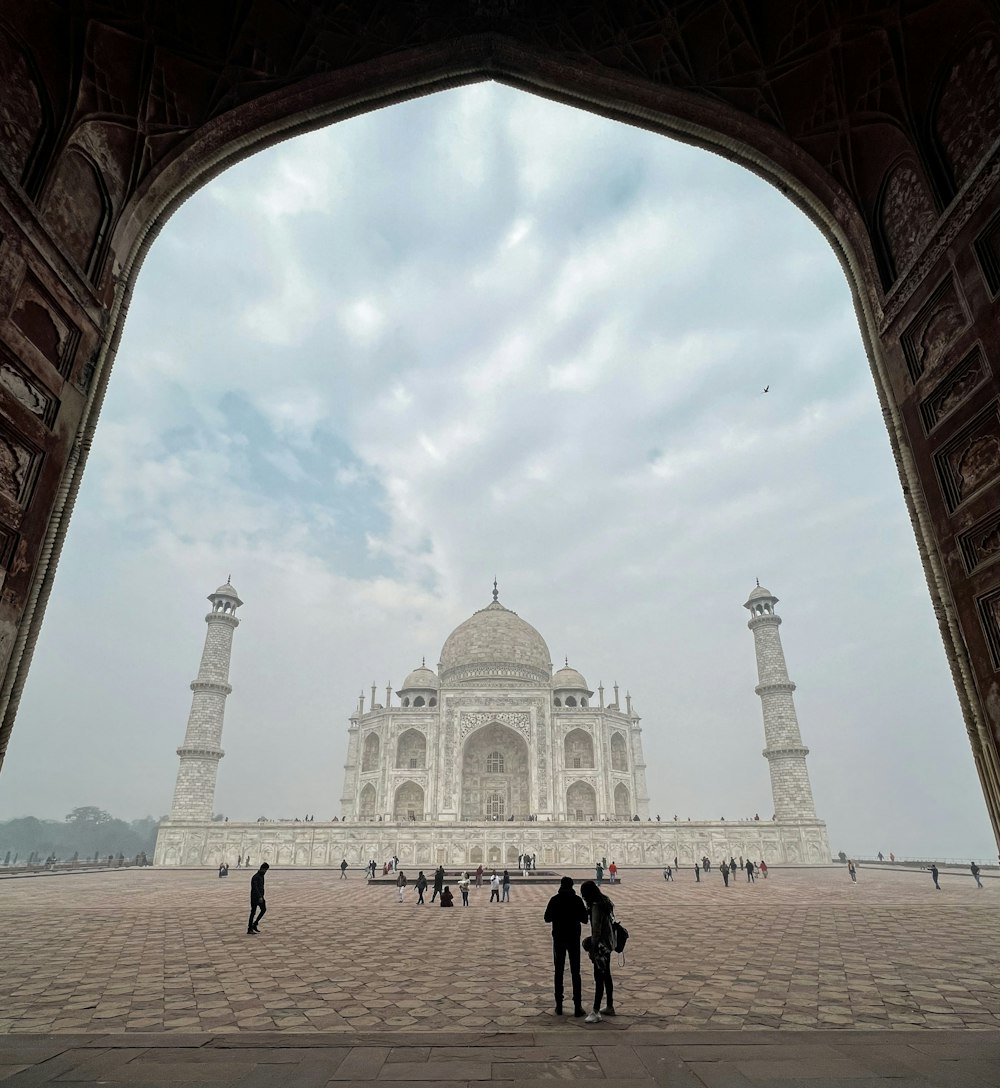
(463, 887)
(763, 867)
(506, 887)
(421, 887)
(724, 869)
(697, 874)
(974, 869)
(401, 883)
(438, 882)
(612, 870)
(257, 902)
(853, 871)
(343, 869)
(598, 946)
(934, 875)
(566, 913)
(479, 876)
(494, 887)
(749, 869)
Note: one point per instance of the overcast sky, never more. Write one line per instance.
(484, 333)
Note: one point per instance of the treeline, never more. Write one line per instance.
(84, 833)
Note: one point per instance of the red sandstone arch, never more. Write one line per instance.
(795, 92)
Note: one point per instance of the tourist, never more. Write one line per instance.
(892, 858)
(447, 899)
(463, 887)
(421, 887)
(934, 875)
(566, 913)
(438, 882)
(520, 862)
(749, 869)
(479, 876)
(612, 870)
(401, 884)
(494, 887)
(763, 868)
(343, 869)
(974, 869)
(853, 871)
(506, 887)
(257, 902)
(880, 858)
(599, 873)
(676, 866)
(724, 869)
(697, 874)
(534, 859)
(598, 946)
(668, 873)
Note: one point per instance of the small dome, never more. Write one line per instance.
(759, 592)
(567, 679)
(226, 591)
(421, 679)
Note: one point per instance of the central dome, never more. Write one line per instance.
(495, 646)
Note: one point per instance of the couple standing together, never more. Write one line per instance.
(567, 912)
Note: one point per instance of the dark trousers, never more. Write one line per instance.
(603, 986)
(495, 894)
(560, 949)
(465, 897)
(259, 905)
(420, 895)
(435, 894)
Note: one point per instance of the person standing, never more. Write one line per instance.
(697, 874)
(463, 887)
(612, 870)
(421, 887)
(566, 913)
(257, 902)
(506, 887)
(438, 882)
(401, 883)
(853, 871)
(763, 867)
(479, 876)
(494, 887)
(599, 873)
(598, 946)
(343, 869)
(724, 869)
(974, 869)
(749, 869)
(934, 875)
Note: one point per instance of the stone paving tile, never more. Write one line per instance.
(801, 950)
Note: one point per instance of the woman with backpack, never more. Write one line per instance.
(599, 946)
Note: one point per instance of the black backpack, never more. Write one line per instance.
(620, 935)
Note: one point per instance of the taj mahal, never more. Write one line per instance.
(492, 755)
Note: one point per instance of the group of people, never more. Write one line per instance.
(567, 913)
(439, 888)
(852, 872)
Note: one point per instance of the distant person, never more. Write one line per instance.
(934, 875)
(506, 887)
(566, 913)
(343, 869)
(401, 883)
(612, 870)
(599, 873)
(974, 869)
(749, 869)
(724, 869)
(258, 906)
(438, 882)
(479, 876)
(668, 873)
(880, 857)
(463, 887)
(697, 874)
(421, 886)
(494, 887)
(852, 870)
(447, 899)
(763, 868)
(599, 946)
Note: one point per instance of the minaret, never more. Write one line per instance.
(785, 752)
(194, 794)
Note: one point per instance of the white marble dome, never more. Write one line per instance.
(421, 679)
(495, 645)
(567, 679)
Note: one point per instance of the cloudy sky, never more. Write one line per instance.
(484, 333)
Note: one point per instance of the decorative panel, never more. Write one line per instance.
(981, 544)
(933, 330)
(987, 247)
(18, 466)
(989, 617)
(971, 460)
(970, 373)
(45, 325)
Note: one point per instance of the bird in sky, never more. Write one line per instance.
(766, 388)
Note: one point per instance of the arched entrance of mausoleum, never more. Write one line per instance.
(496, 781)
(886, 139)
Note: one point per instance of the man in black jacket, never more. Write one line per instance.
(257, 898)
(567, 912)
(438, 882)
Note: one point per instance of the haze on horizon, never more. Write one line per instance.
(482, 333)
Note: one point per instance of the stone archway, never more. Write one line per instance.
(411, 750)
(370, 753)
(623, 804)
(909, 209)
(619, 753)
(408, 804)
(367, 801)
(581, 801)
(496, 778)
(578, 750)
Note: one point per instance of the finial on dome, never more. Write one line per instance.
(567, 661)
(229, 579)
(423, 662)
(758, 583)
(496, 592)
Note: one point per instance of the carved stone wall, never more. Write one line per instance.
(111, 114)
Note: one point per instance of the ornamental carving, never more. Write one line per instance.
(981, 544)
(968, 115)
(515, 719)
(907, 214)
(933, 330)
(955, 389)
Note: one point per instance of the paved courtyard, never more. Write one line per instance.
(153, 951)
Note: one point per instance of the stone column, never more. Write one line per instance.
(784, 751)
(194, 794)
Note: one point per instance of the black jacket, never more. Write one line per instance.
(439, 879)
(257, 887)
(567, 912)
